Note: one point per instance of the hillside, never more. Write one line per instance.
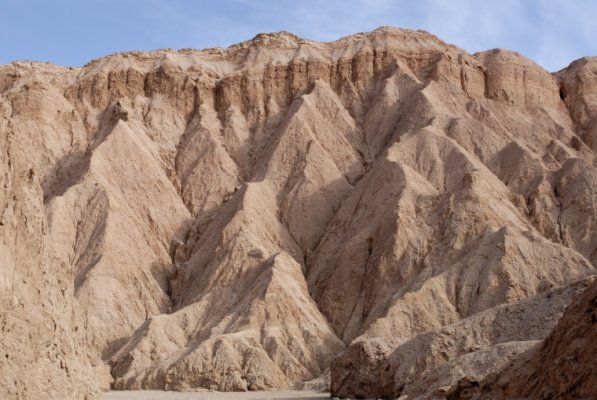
(386, 205)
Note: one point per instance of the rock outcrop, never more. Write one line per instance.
(560, 367)
(431, 364)
(243, 218)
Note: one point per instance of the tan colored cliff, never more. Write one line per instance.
(236, 218)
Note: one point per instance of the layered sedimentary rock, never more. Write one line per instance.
(243, 218)
(432, 364)
(560, 367)
(42, 334)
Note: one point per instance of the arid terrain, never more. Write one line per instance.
(378, 216)
(210, 395)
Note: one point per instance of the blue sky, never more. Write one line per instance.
(551, 32)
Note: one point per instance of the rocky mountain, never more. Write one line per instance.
(411, 217)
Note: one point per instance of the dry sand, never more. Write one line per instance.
(207, 395)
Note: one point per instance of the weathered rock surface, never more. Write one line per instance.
(43, 352)
(235, 218)
(428, 365)
(561, 367)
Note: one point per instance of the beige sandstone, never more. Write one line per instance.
(560, 367)
(234, 219)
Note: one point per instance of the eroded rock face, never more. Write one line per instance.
(430, 364)
(235, 218)
(570, 352)
(561, 367)
(42, 336)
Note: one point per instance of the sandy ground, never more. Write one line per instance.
(206, 395)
